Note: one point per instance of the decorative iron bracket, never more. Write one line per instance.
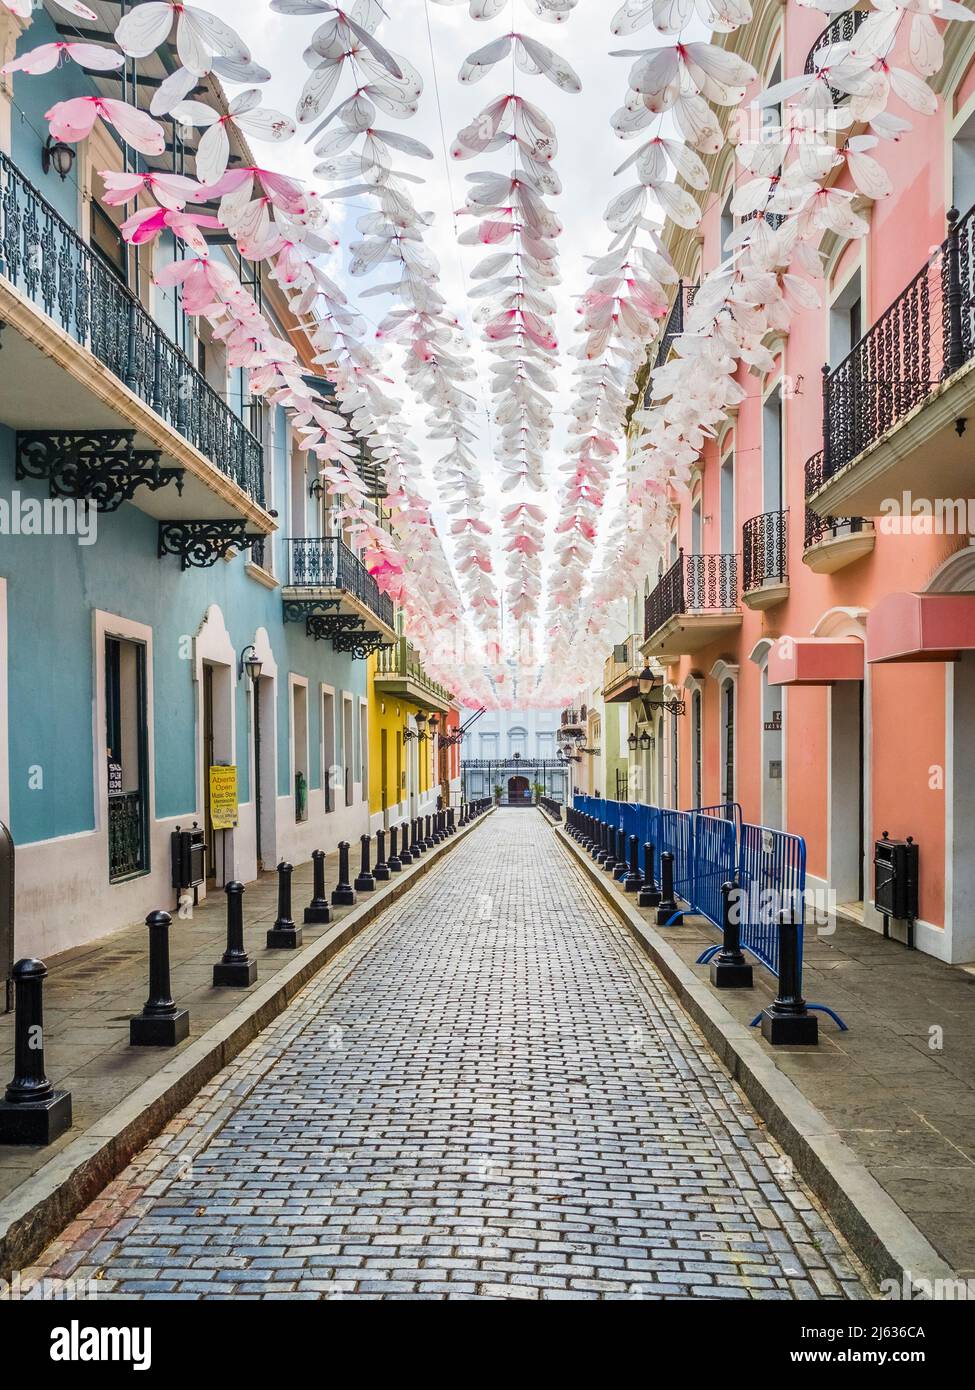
(298, 609)
(101, 465)
(202, 543)
(346, 633)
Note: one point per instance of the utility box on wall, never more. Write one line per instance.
(895, 881)
(189, 857)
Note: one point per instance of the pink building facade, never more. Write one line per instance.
(823, 648)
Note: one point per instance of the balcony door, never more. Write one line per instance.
(126, 742)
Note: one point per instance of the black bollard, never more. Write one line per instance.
(649, 893)
(601, 847)
(634, 879)
(381, 871)
(786, 1022)
(235, 967)
(394, 862)
(429, 842)
(318, 909)
(451, 827)
(620, 870)
(343, 894)
(610, 863)
(729, 968)
(668, 913)
(417, 847)
(365, 882)
(32, 1111)
(161, 1023)
(462, 819)
(284, 935)
(406, 855)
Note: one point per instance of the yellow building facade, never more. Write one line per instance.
(406, 710)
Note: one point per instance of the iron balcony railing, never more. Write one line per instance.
(49, 263)
(126, 835)
(326, 562)
(403, 660)
(841, 29)
(919, 341)
(817, 526)
(693, 584)
(573, 718)
(625, 661)
(764, 550)
(675, 326)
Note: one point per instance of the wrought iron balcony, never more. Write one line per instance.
(621, 671)
(399, 669)
(695, 602)
(674, 327)
(840, 29)
(830, 542)
(574, 718)
(325, 563)
(765, 563)
(916, 345)
(46, 260)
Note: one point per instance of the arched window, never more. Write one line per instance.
(517, 741)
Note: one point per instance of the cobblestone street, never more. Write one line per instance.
(490, 1095)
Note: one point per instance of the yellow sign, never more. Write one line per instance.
(223, 798)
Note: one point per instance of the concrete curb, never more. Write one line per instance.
(39, 1209)
(887, 1241)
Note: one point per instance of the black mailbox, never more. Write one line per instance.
(895, 875)
(189, 857)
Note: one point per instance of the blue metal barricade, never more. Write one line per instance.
(772, 878)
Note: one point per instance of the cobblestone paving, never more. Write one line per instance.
(489, 1095)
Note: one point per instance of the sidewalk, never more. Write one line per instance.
(92, 991)
(898, 1089)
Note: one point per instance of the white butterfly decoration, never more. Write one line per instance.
(246, 113)
(204, 43)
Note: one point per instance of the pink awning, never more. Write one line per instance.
(921, 627)
(815, 660)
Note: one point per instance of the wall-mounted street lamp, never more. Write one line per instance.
(646, 741)
(632, 741)
(58, 156)
(251, 664)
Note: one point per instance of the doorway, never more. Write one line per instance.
(126, 743)
(519, 791)
(847, 798)
(208, 762)
(772, 768)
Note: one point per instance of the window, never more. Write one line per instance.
(364, 750)
(727, 225)
(772, 483)
(728, 720)
(546, 745)
(963, 166)
(126, 738)
(108, 242)
(347, 749)
(489, 745)
(728, 539)
(299, 728)
(845, 320)
(517, 742)
(328, 748)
